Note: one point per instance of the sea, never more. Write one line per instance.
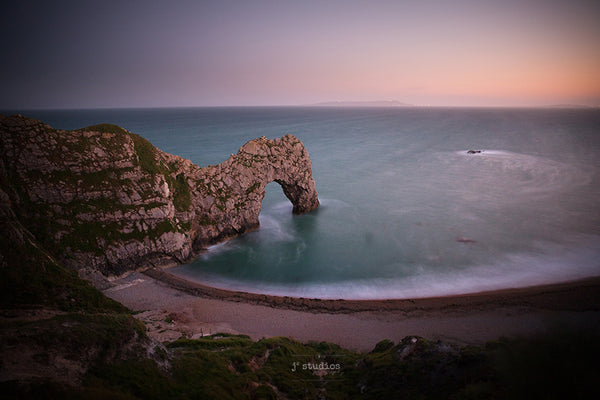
(406, 211)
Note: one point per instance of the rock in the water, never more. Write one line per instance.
(474, 151)
(105, 199)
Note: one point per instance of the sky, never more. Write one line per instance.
(129, 53)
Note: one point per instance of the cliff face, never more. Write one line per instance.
(105, 199)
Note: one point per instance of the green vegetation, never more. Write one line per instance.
(219, 341)
(102, 332)
(92, 236)
(80, 144)
(252, 188)
(235, 367)
(146, 153)
(206, 222)
(77, 323)
(86, 236)
(181, 192)
(220, 194)
(103, 179)
(221, 367)
(103, 128)
(34, 278)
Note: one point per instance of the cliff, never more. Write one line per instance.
(104, 199)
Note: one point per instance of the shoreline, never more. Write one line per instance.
(577, 295)
(172, 307)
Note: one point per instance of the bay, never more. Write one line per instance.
(405, 210)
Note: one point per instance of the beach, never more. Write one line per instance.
(173, 307)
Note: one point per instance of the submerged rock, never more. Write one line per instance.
(104, 199)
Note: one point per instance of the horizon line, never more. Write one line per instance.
(324, 104)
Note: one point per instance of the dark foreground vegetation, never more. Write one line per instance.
(555, 366)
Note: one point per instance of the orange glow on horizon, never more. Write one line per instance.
(464, 52)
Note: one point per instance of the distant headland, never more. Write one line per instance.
(375, 103)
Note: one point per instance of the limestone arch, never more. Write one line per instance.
(236, 187)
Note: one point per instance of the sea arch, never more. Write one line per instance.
(228, 197)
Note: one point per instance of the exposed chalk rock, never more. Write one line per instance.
(104, 198)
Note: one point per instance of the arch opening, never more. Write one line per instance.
(275, 198)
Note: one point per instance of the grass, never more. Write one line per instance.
(103, 128)
(217, 341)
(106, 178)
(181, 192)
(106, 332)
(34, 278)
(146, 153)
(85, 236)
(236, 367)
(132, 379)
(206, 222)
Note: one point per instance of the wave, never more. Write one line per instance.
(218, 248)
(281, 207)
(528, 173)
(551, 263)
(273, 230)
(483, 153)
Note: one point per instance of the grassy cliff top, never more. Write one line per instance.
(104, 128)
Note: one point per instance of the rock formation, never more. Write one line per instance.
(104, 199)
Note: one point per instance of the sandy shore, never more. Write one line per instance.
(172, 307)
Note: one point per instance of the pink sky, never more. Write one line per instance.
(202, 53)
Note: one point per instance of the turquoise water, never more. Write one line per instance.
(405, 211)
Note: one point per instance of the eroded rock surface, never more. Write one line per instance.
(104, 199)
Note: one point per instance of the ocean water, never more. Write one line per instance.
(405, 211)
